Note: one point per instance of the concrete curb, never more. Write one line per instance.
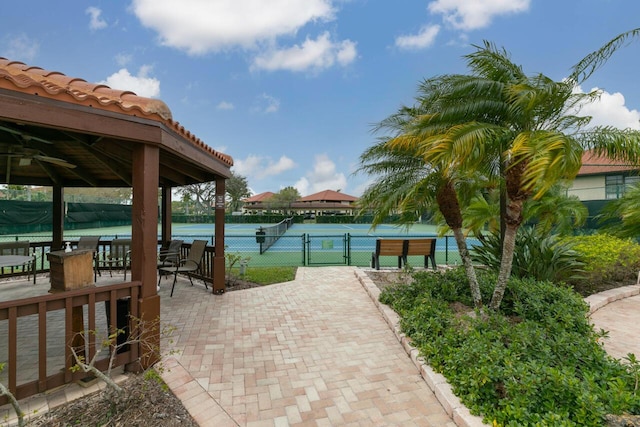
(597, 301)
(437, 382)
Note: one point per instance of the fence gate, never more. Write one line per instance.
(328, 250)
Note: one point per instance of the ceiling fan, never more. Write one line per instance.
(26, 155)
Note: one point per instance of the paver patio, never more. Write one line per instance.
(314, 351)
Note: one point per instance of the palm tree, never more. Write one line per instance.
(409, 186)
(621, 217)
(498, 120)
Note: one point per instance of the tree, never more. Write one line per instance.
(499, 121)
(283, 199)
(201, 195)
(237, 189)
(410, 187)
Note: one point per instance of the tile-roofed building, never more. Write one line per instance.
(258, 203)
(262, 197)
(601, 178)
(327, 202)
(55, 86)
(328, 196)
(62, 132)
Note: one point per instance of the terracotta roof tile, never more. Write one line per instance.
(594, 165)
(259, 197)
(20, 77)
(328, 196)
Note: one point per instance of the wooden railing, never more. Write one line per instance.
(48, 312)
(61, 306)
(40, 249)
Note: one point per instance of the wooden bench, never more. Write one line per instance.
(402, 248)
(424, 247)
(388, 247)
(18, 254)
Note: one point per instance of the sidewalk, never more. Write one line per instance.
(314, 351)
(618, 311)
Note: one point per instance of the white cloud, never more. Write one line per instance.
(123, 59)
(96, 22)
(474, 14)
(141, 84)
(258, 167)
(224, 105)
(284, 163)
(19, 48)
(610, 110)
(323, 177)
(266, 104)
(317, 54)
(424, 38)
(201, 26)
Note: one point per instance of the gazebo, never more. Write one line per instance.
(63, 132)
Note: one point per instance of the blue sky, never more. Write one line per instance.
(291, 88)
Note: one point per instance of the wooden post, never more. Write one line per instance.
(57, 217)
(144, 245)
(165, 213)
(219, 285)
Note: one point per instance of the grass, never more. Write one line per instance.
(267, 275)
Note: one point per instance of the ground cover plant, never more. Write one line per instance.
(536, 361)
(609, 262)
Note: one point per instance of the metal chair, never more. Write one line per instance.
(91, 243)
(188, 265)
(169, 256)
(118, 256)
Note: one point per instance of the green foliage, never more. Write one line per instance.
(270, 275)
(154, 375)
(237, 188)
(543, 257)
(537, 361)
(607, 258)
(234, 261)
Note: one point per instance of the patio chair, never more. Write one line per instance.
(118, 256)
(91, 243)
(169, 256)
(188, 265)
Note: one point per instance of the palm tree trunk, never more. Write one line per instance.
(514, 219)
(450, 208)
(468, 267)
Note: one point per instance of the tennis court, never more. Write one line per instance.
(298, 245)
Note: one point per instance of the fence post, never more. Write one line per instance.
(304, 248)
(446, 253)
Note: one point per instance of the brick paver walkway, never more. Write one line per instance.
(315, 351)
(621, 318)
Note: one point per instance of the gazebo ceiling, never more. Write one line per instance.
(64, 131)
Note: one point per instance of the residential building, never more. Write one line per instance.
(601, 178)
(327, 202)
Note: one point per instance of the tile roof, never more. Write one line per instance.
(593, 164)
(17, 76)
(259, 197)
(328, 196)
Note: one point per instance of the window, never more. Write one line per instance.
(615, 185)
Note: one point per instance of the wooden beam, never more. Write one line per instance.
(58, 217)
(219, 285)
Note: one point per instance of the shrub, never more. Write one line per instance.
(607, 258)
(543, 257)
(536, 362)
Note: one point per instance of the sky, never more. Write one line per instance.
(292, 89)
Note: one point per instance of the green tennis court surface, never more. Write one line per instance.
(301, 244)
